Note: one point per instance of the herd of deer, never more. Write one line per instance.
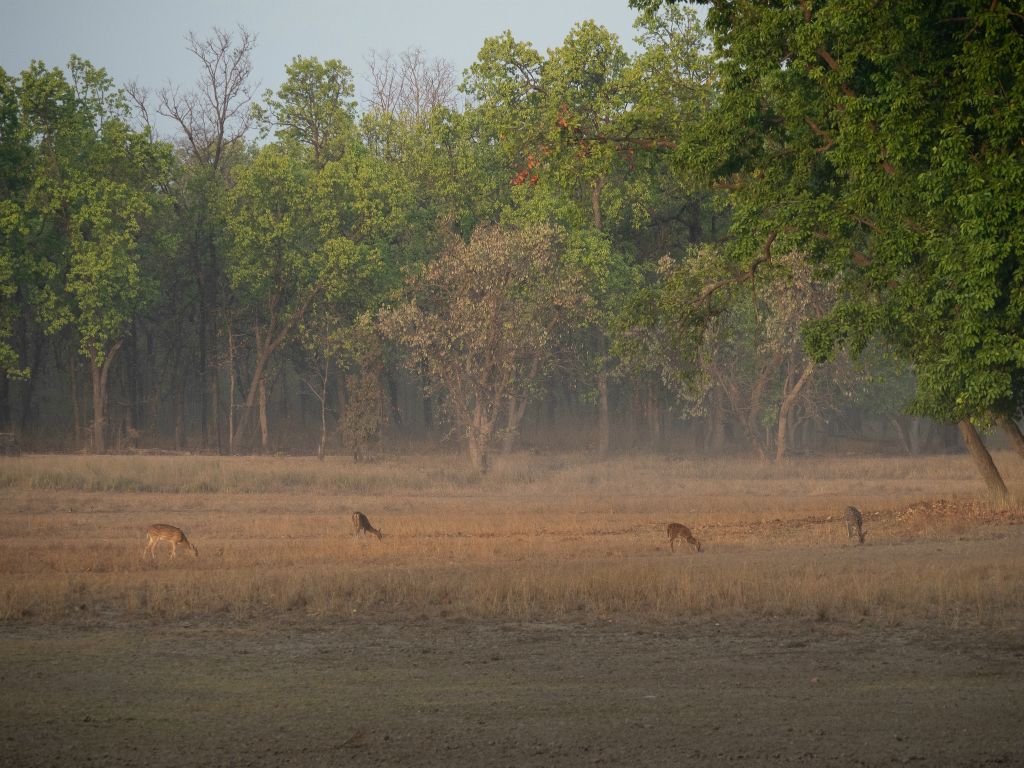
(676, 531)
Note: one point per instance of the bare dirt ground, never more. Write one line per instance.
(386, 691)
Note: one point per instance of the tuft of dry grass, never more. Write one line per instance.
(543, 537)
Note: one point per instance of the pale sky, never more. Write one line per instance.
(145, 41)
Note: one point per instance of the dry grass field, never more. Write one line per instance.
(535, 616)
(540, 538)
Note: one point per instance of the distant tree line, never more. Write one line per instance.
(782, 232)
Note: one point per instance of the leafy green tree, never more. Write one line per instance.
(93, 181)
(313, 107)
(884, 141)
(480, 320)
(587, 133)
(15, 157)
(213, 119)
(286, 255)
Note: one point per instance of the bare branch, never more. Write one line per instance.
(217, 113)
(411, 85)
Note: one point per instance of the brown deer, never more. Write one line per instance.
(170, 534)
(680, 531)
(854, 523)
(362, 525)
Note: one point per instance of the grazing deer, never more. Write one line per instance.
(170, 534)
(680, 531)
(854, 522)
(362, 525)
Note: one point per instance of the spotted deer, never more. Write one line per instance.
(362, 525)
(680, 531)
(170, 534)
(854, 522)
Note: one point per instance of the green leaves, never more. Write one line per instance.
(877, 138)
(314, 107)
(84, 183)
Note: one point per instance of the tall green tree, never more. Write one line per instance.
(884, 139)
(313, 107)
(286, 255)
(93, 183)
(213, 119)
(553, 119)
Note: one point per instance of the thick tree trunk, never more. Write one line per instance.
(100, 376)
(982, 460)
(1013, 432)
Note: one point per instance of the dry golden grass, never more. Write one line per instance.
(543, 537)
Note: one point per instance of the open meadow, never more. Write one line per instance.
(533, 616)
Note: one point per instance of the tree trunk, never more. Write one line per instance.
(920, 433)
(1013, 432)
(595, 202)
(232, 384)
(603, 420)
(244, 425)
(100, 375)
(75, 411)
(5, 403)
(33, 354)
(264, 428)
(342, 395)
(478, 438)
(983, 460)
(653, 418)
(516, 409)
(787, 405)
(180, 436)
(98, 397)
(135, 386)
(902, 432)
(203, 373)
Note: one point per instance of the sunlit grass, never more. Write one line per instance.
(553, 537)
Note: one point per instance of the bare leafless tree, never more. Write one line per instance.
(410, 85)
(217, 112)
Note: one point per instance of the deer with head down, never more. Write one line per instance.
(678, 531)
(169, 533)
(362, 525)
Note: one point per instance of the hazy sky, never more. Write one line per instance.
(144, 41)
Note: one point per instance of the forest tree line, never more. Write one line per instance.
(763, 232)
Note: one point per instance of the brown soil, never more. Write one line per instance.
(382, 691)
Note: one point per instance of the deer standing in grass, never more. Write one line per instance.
(362, 525)
(170, 534)
(854, 522)
(680, 531)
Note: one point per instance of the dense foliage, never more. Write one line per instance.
(719, 239)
